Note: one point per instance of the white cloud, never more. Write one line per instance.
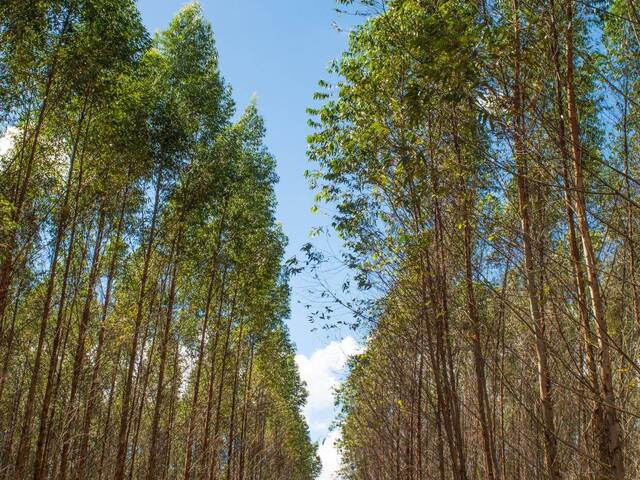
(7, 139)
(322, 371)
(330, 457)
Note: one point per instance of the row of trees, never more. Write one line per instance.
(482, 161)
(142, 293)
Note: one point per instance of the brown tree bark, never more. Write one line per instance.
(95, 372)
(205, 325)
(80, 346)
(611, 422)
(578, 274)
(544, 379)
(476, 344)
(204, 463)
(151, 469)
(245, 413)
(24, 446)
(234, 396)
(213, 464)
(126, 395)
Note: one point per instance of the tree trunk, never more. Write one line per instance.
(476, 344)
(151, 470)
(544, 379)
(234, 395)
(611, 423)
(581, 297)
(216, 426)
(24, 443)
(205, 325)
(82, 331)
(210, 395)
(245, 410)
(93, 388)
(126, 395)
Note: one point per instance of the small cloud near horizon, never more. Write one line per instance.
(323, 371)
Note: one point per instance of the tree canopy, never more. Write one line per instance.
(142, 287)
(481, 159)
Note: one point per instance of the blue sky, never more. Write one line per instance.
(279, 50)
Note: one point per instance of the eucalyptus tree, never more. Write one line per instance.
(142, 278)
(478, 158)
(60, 34)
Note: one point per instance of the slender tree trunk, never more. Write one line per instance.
(544, 379)
(210, 396)
(126, 395)
(196, 386)
(439, 295)
(9, 434)
(47, 403)
(7, 357)
(476, 344)
(436, 361)
(151, 470)
(93, 388)
(581, 297)
(205, 325)
(140, 393)
(169, 436)
(6, 269)
(107, 423)
(80, 347)
(234, 394)
(245, 411)
(24, 446)
(57, 423)
(216, 425)
(629, 242)
(611, 423)
(420, 411)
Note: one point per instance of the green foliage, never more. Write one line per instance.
(141, 273)
(448, 127)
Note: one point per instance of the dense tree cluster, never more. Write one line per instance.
(142, 292)
(482, 161)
